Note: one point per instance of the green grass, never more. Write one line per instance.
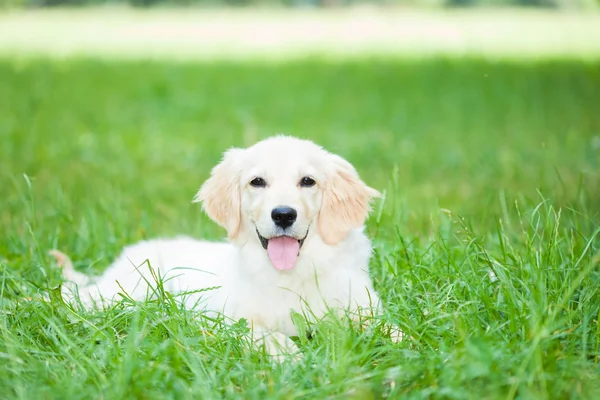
(487, 246)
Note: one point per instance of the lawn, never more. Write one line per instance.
(487, 247)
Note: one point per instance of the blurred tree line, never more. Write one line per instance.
(299, 3)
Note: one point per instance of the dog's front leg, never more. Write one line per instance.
(367, 317)
(277, 345)
(367, 323)
(396, 334)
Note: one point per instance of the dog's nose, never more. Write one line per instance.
(284, 216)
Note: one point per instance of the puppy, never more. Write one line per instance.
(294, 215)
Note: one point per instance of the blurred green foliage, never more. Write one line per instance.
(304, 3)
(461, 131)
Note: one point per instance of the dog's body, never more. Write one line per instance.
(239, 283)
(294, 215)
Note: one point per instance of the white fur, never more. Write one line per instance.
(332, 267)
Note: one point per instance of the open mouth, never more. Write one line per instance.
(283, 251)
(265, 242)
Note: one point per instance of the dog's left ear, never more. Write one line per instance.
(345, 202)
(220, 194)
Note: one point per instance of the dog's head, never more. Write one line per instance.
(282, 189)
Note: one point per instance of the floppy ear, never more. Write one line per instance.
(345, 202)
(220, 194)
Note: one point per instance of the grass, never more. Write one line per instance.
(487, 246)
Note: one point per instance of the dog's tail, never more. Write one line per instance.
(69, 273)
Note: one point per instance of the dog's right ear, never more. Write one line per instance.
(345, 202)
(220, 194)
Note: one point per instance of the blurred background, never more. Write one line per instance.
(309, 3)
(466, 103)
(192, 29)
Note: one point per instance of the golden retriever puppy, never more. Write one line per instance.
(294, 215)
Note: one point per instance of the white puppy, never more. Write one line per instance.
(294, 215)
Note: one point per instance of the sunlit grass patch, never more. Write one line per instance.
(290, 34)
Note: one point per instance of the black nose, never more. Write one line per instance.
(283, 216)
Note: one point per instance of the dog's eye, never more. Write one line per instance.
(258, 182)
(307, 182)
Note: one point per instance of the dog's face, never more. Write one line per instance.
(281, 190)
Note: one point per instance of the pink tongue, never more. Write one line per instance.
(283, 252)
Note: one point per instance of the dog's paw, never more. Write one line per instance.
(396, 334)
(278, 346)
